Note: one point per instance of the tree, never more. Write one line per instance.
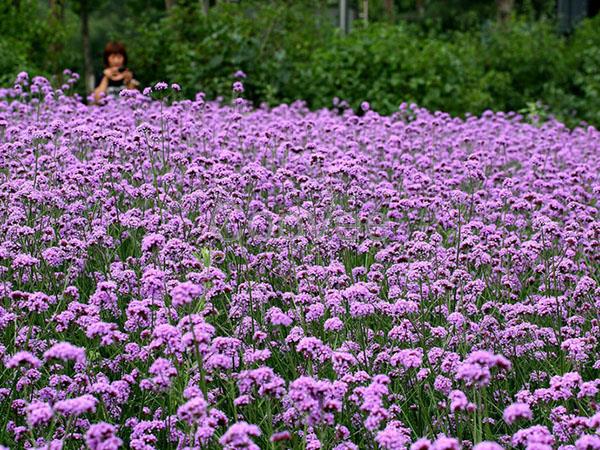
(205, 6)
(504, 10)
(84, 8)
(420, 7)
(389, 9)
(56, 21)
(344, 16)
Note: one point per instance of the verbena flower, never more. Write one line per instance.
(38, 414)
(171, 270)
(517, 411)
(76, 406)
(102, 436)
(240, 435)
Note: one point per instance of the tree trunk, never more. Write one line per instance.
(169, 4)
(344, 16)
(57, 9)
(389, 9)
(205, 6)
(420, 4)
(88, 70)
(366, 11)
(56, 44)
(504, 10)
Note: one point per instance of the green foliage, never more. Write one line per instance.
(292, 50)
(500, 68)
(19, 36)
(528, 56)
(388, 64)
(203, 52)
(33, 40)
(578, 98)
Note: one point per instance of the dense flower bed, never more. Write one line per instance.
(196, 275)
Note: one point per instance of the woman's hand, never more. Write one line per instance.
(113, 73)
(110, 72)
(127, 76)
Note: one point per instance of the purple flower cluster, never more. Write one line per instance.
(191, 274)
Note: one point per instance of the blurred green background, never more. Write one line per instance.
(458, 56)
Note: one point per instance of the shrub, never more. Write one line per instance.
(578, 97)
(292, 50)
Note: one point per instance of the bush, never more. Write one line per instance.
(528, 59)
(500, 68)
(291, 53)
(578, 97)
(292, 50)
(31, 41)
(202, 53)
(387, 65)
(17, 37)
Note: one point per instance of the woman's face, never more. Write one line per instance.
(115, 60)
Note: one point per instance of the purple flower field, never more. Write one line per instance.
(195, 275)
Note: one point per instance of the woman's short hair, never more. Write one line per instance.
(114, 48)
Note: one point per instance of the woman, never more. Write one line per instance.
(116, 75)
